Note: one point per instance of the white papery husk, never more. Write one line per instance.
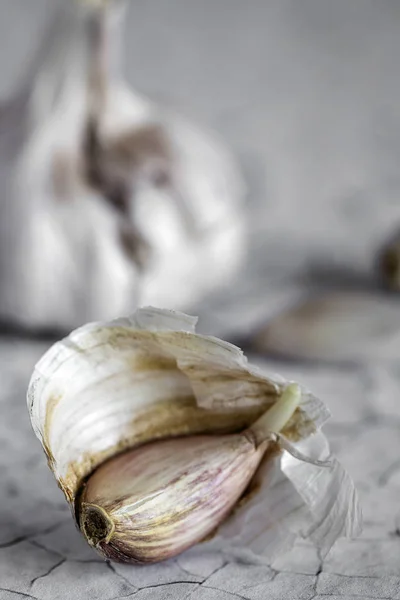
(111, 386)
(62, 262)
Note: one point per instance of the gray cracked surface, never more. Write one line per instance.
(44, 557)
(307, 94)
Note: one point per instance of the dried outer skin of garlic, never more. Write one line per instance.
(122, 386)
(108, 200)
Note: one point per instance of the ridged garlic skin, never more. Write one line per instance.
(110, 387)
(62, 259)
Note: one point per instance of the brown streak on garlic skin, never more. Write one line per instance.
(135, 246)
(63, 173)
(114, 167)
(51, 406)
(140, 146)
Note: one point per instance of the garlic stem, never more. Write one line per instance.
(99, 58)
(275, 419)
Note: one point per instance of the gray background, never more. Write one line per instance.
(305, 91)
(307, 94)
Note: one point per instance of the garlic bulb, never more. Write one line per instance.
(108, 200)
(159, 437)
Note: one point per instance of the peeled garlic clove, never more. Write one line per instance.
(102, 190)
(337, 326)
(154, 433)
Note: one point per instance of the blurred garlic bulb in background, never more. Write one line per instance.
(107, 200)
(339, 326)
(159, 437)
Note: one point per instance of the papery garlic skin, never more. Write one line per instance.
(123, 386)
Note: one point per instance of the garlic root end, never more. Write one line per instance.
(96, 524)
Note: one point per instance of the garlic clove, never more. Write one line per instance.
(111, 390)
(154, 502)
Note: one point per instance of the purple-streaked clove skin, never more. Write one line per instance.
(152, 503)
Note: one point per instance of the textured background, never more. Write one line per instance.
(307, 94)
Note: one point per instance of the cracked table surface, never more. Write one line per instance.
(42, 556)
